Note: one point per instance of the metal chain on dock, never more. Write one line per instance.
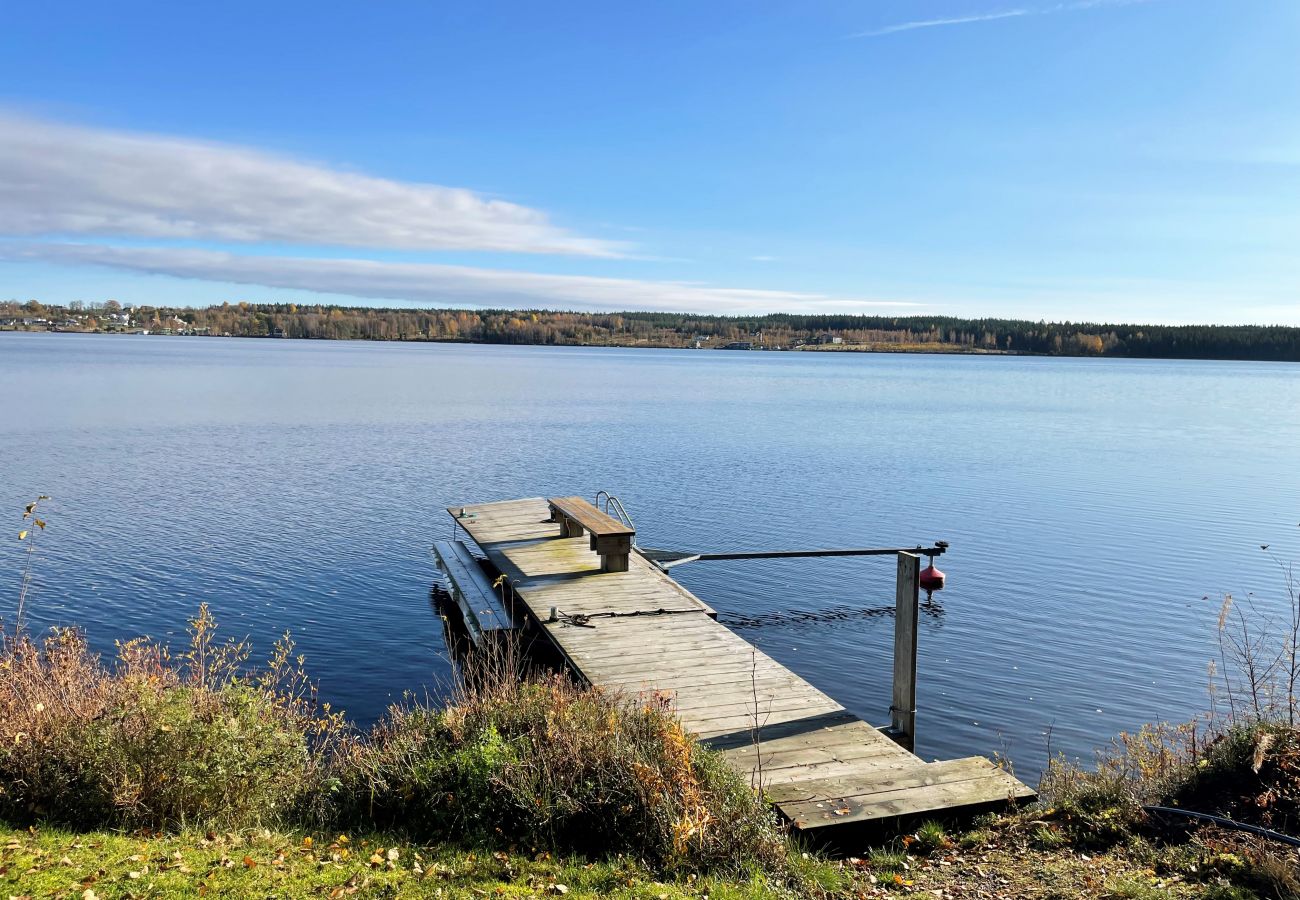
(583, 620)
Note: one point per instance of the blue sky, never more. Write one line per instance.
(1132, 161)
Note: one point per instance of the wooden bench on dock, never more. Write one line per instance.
(480, 605)
(610, 538)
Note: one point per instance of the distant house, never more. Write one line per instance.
(827, 338)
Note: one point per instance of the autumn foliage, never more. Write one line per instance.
(149, 740)
(203, 739)
(542, 761)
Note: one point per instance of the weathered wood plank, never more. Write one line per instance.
(647, 673)
(813, 763)
(481, 608)
(968, 787)
(743, 721)
(886, 780)
(589, 517)
(902, 712)
(848, 738)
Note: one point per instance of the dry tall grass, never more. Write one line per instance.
(152, 740)
(539, 759)
(1241, 761)
(148, 740)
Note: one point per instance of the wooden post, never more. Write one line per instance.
(902, 713)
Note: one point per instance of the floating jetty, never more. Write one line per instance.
(622, 623)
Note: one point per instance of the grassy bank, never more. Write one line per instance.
(1029, 855)
(157, 775)
(262, 863)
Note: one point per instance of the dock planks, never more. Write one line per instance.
(820, 764)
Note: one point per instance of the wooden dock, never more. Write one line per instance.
(638, 631)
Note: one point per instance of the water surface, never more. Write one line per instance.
(1097, 509)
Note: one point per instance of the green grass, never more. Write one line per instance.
(929, 838)
(1130, 888)
(887, 861)
(260, 864)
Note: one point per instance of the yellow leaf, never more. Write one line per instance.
(40, 523)
(22, 535)
(306, 842)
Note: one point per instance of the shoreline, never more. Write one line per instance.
(851, 349)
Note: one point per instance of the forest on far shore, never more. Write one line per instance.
(778, 331)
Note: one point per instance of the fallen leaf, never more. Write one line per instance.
(249, 862)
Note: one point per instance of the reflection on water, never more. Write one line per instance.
(454, 633)
(931, 609)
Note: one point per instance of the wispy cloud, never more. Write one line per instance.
(61, 179)
(936, 23)
(1012, 13)
(439, 285)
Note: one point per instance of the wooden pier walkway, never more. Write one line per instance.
(643, 632)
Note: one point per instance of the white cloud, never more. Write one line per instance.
(441, 285)
(61, 179)
(1013, 13)
(936, 23)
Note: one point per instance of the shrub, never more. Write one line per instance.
(543, 762)
(152, 741)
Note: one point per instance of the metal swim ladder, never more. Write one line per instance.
(611, 505)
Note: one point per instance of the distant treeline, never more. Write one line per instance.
(657, 329)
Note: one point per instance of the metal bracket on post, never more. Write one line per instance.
(902, 712)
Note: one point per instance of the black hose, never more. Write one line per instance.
(1226, 823)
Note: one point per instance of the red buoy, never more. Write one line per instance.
(931, 579)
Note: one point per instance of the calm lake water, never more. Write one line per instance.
(1097, 509)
